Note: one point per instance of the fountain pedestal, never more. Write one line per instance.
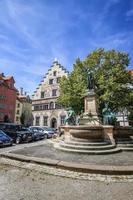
(90, 108)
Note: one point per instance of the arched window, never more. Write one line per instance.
(51, 105)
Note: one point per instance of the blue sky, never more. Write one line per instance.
(34, 32)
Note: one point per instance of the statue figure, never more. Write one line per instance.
(109, 117)
(90, 81)
(71, 119)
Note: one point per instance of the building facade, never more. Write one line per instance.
(45, 109)
(23, 111)
(8, 95)
(26, 110)
(18, 111)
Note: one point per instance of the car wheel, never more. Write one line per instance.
(18, 140)
(45, 136)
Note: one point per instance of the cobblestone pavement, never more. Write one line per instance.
(66, 173)
(22, 181)
(47, 150)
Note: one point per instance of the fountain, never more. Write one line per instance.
(90, 136)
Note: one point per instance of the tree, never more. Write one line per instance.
(112, 80)
(72, 88)
(22, 118)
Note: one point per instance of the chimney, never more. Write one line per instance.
(2, 75)
(21, 91)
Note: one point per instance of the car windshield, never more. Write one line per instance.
(1, 133)
(24, 129)
(47, 129)
(50, 129)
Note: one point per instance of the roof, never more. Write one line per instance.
(131, 71)
(8, 78)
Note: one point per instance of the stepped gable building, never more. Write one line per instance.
(45, 109)
(8, 95)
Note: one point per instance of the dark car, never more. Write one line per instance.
(35, 134)
(43, 134)
(5, 140)
(16, 132)
(23, 135)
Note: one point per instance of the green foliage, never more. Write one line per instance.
(22, 118)
(72, 88)
(111, 78)
(130, 117)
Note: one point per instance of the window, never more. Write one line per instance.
(17, 119)
(18, 105)
(42, 95)
(37, 121)
(45, 121)
(58, 79)
(54, 92)
(36, 107)
(54, 73)
(62, 119)
(57, 106)
(17, 111)
(2, 106)
(50, 81)
(45, 107)
(40, 107)
(51, 105)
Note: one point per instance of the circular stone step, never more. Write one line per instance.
(87, 143)
(83, 147)
(91, 152)
(85, 140)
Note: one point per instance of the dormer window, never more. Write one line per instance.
(54, 73)
(50, 81)
(42, 94)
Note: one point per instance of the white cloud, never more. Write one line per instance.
(129, 13)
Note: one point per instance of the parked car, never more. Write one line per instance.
(49, 131)
(16, 132)
(38, 130)
(23, 135)
(5, 140)
(35, 134)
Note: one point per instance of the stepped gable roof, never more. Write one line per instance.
(60, 66)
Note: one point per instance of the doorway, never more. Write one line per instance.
(53, 123)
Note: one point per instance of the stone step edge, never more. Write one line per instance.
(105, 147)
(87, 143)
(89, 151)
(125, 145)
(72, 166)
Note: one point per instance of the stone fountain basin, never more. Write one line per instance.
(87, 132)
(122, 131)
